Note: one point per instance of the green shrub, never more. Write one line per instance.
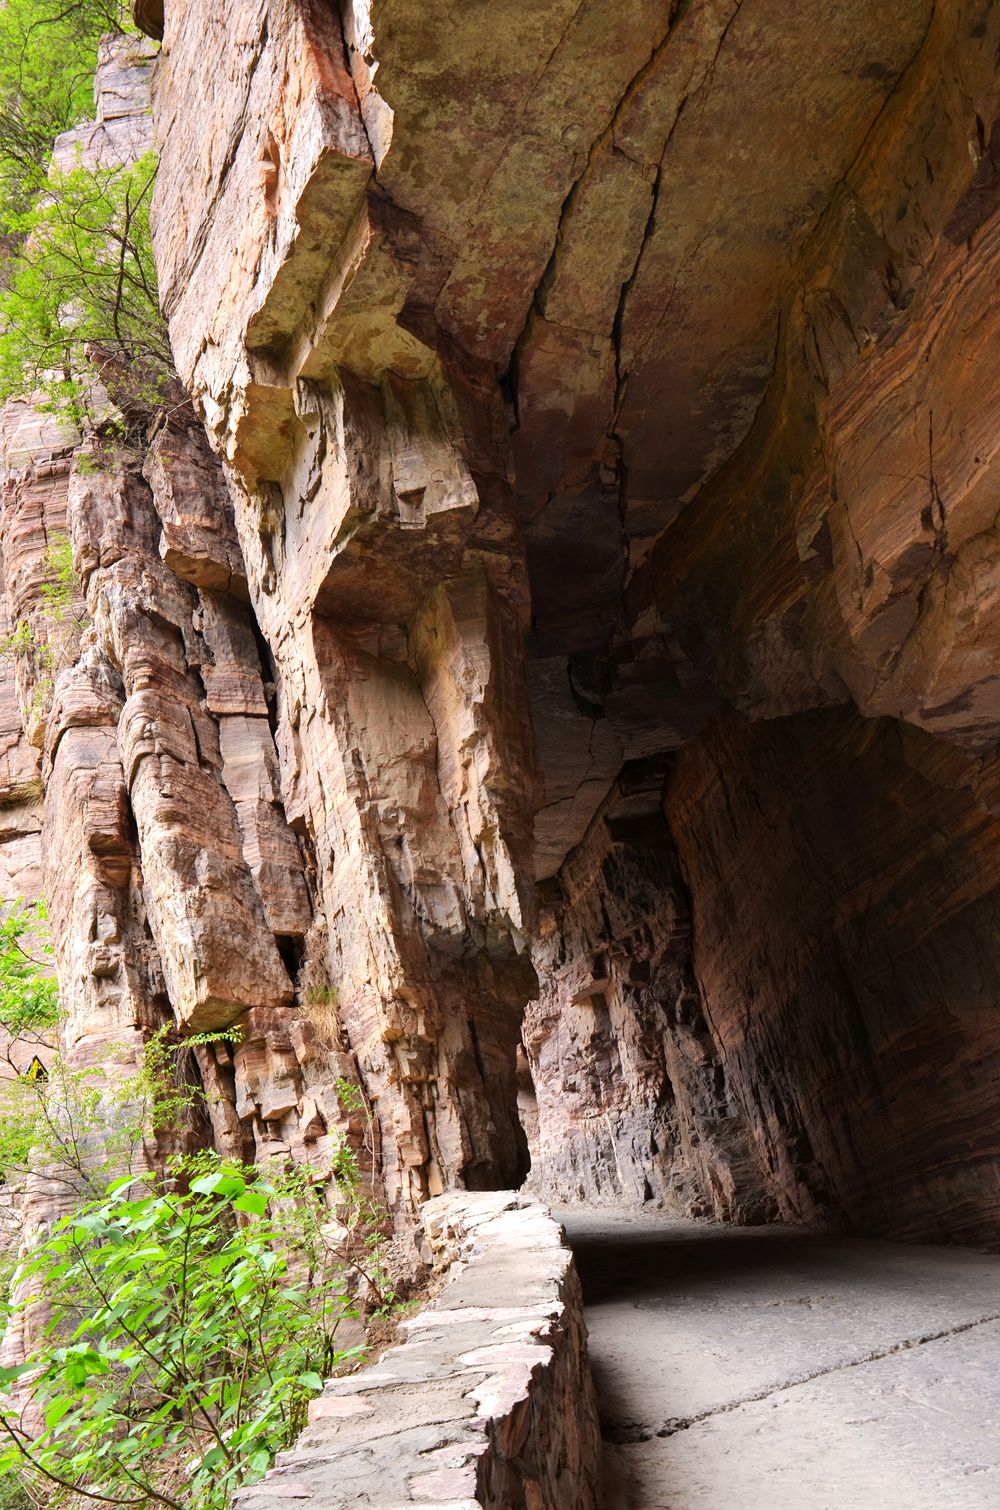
(13, 1495)
(188, 1325)
(177, 1322)
(82, 296)
(62, 583)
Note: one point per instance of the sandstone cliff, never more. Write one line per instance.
(564, 611)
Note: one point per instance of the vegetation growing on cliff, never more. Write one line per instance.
(81, 296)
(80, 293)
(189, 1322)
(42, 645)
(179, 1319)
(48, 53)
(29, 1002)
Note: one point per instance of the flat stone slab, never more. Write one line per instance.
(772, 1369)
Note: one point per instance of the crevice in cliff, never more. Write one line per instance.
(843, 184)
(604, 138)
(709, 78)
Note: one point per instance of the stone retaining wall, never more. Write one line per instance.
(488, 1404)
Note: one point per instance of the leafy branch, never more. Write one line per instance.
(48, 53)
(81, 299)
(189, 1322)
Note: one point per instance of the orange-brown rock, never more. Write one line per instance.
(677, 324)
(841, 874)
(571, 599)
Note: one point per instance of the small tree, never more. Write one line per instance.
(48, 53)
(29, 995)
(80, 285)
(188, 1327)
(82, 297)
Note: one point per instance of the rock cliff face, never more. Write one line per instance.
(565, 611)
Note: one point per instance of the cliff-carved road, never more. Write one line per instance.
(768, 1369)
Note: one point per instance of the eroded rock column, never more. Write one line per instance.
(370, 474)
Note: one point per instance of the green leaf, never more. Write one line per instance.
(222, 1184)
(253, 1202)
(189, 1316)
(59, 1408)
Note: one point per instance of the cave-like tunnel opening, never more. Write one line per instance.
(771, 992)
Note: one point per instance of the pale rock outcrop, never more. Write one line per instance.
(178, 892)
(370, 475)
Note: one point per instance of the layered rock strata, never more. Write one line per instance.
(178, 892)
(633, 1100)
(867, 1060)
(578, 378)
(572, 592)
(371, 477)
(840, 555)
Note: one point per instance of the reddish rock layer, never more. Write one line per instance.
(575, 376)
(843, 553)
(846, 884)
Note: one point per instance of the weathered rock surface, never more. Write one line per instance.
(547, 673)
(371, 477)
(632, 1095)
(678, 321)
(178, 891)
(487, 1402)
(842, 553)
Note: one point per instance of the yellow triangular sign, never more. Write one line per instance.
(36, 1070)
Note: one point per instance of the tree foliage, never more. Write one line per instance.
(80, 296)
(48, 53)
(79, 1128)
(29, 1000)
(188, 1325)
